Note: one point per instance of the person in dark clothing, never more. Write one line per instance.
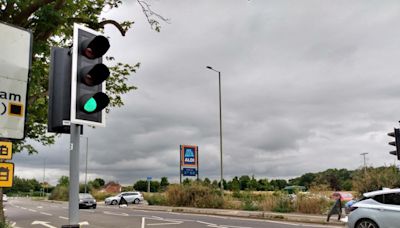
(122, 201)
(336, 209)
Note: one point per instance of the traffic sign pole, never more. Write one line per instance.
(73, 209)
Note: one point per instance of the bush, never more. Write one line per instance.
(277, 202)
(5, 225)
(59, 193)
(100, 196)
(311, 204)
(283, 204)
(193, 195)
(155, 198)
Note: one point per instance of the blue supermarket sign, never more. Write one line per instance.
(189, 155)
(189, 172)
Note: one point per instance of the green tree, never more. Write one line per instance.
(154, 186)
(305, 180)
(263, 185)
(244, 182)
(187, 181)
(235, 184)
(63, 181)
(207, 182)
(253, 184)
(96, 183)
(140, 185)
(164, 183)
(375, 179)
(278, 184)
(23, 185)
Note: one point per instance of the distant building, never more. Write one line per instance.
(112, 187)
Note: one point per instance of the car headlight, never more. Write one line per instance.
(94, 200)
(80, 201)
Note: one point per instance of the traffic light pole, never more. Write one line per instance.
(73, 209)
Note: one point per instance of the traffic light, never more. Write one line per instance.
(88, 98)
(396, 143)
(59, 89)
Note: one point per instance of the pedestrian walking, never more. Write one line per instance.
(123, 202)
(336, 208)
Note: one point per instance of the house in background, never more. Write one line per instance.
(112, 187)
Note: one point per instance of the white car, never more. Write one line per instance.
(130, 197)
(378, 209)
(5, 198)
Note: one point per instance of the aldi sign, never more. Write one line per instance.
(189, 155)
(189, 172)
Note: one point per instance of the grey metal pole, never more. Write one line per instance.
(44, 174)
(87, 152)
(220, 127)
(365, 163)
(73, 209)
(220, 132)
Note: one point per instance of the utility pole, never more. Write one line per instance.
(44, 176)
(365, 163)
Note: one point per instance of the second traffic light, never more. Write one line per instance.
(88, 97)
(396, 143)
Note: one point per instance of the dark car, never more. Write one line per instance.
(87, 201)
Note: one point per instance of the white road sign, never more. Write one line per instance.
(15, 62)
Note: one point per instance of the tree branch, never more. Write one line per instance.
(22, 17)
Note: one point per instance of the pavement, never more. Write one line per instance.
(290, 217)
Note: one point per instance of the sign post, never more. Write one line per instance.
(189, 161)
(15, 63)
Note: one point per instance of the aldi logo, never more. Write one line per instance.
(189, 155)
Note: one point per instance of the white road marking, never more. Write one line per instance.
(113, 213)
(88, 211)
(221, 226)
(62, 217)
(162, 222)
(143, 222)
(43, 223)
(44, 213)
(85, 223)
(32, 210)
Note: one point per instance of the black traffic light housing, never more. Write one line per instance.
(88, 97)
(396, 143)
(59, 90)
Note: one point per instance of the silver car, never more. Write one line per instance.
(130, 197)
(376, 209)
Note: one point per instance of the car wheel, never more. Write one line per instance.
(136, 201)
(366, 223)
(114, 202)
(94, 207)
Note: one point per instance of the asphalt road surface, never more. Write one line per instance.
(24, 213)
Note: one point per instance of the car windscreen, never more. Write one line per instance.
(85, 196)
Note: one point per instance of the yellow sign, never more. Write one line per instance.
(5, 150)
(6, 174)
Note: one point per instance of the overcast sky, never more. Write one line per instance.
(306, 86)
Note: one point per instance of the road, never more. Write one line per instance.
(24, 213)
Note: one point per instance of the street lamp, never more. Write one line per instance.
(365, 162)
(220, 126)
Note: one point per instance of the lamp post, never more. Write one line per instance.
(220, 126)
(365, 163)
